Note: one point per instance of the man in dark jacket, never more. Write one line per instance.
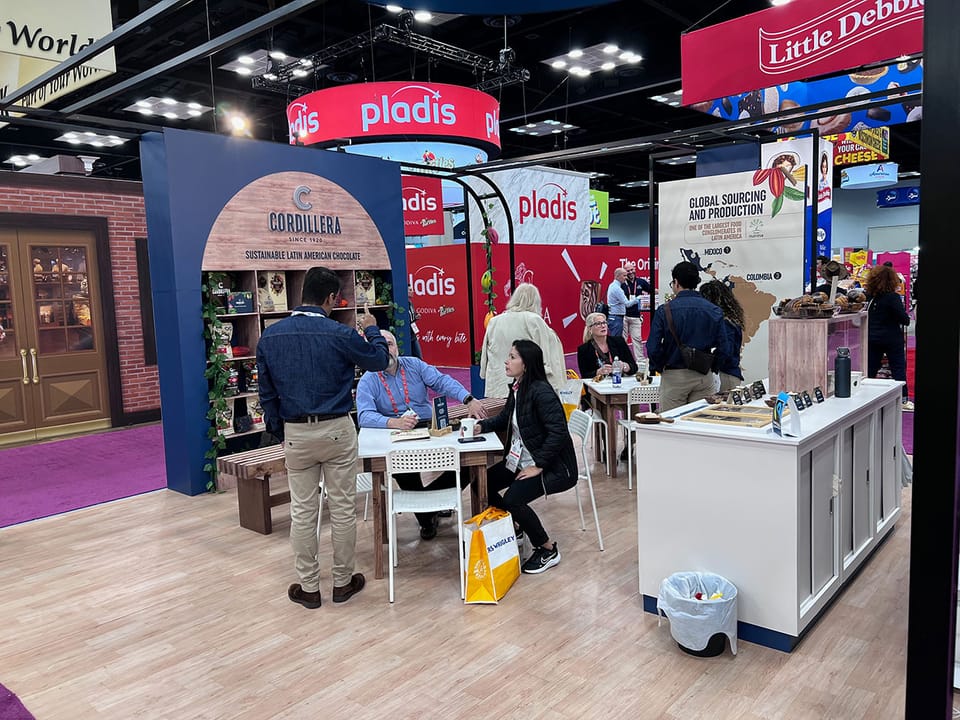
(306, 365)
(697, 323)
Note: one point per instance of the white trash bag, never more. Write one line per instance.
(693, 622)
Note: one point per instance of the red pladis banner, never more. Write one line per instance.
(377, 111)
(571, 281)
(796, 41)
(422, 205)
(437, 282)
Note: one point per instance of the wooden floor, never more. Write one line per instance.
(161, 606)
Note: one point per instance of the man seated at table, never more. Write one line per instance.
(396, 398)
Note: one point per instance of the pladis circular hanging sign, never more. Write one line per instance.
(368, 112)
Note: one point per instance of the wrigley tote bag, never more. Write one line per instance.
(493, 560)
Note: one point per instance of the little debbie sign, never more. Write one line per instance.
(797, 41)
(373, 111)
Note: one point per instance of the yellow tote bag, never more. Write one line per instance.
(493, 563)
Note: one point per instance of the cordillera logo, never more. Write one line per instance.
(416, 104)
(843, 27)
(429, 281)
(417, 200)
(301, 122)
(548, 203)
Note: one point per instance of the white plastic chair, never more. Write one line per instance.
(639, 395)
(364, 485)
(418, 501)
(580, 425)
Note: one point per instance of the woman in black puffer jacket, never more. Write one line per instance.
(540, 459)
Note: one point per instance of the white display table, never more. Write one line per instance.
(786, 520)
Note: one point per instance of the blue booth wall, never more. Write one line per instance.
(188, 177)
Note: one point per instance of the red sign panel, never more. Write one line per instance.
(422, 205)
(437, 282)
(797, 41)
(365, 112)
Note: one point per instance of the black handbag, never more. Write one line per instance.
(700, 361)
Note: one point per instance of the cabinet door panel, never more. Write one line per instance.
(824, 539)
(847, 519)
(862, 531)
(804, 526)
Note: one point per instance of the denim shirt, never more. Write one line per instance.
(698, 323)
(306, 366)
(617, 300)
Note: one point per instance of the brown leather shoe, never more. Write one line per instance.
(310, 600)
(342, 594)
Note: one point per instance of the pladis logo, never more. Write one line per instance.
(548, 203)
(409, 105)
(430, 281)
(492, 124)
(417, 200)
(301, 122)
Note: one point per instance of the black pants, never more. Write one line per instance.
(896, 356)
(412, 481)
(520, 493)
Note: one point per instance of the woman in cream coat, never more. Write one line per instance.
(520, 321)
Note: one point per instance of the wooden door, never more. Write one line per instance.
(17, 413)
(55, 310)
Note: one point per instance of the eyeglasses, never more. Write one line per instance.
(598, 322)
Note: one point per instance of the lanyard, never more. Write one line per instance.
(601, 357)
(406, 392)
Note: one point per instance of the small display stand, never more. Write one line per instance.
(440, 425)
(801, 351)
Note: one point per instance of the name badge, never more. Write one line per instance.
(513, 457)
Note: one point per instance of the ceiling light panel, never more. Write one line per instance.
(679, 160)
(91, 138)
(544, 127)
(673, 99)
(599, 58)
(169, 108)
(253, 63)
(635, 184)
(21, 161)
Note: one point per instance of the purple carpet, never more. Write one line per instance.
(11, 708)
(55, 477)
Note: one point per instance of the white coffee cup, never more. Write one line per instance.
(467, 427)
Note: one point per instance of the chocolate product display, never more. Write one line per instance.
(879, 113)
(751, 104)
(833, 124)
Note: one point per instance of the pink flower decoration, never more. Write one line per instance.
(492, 234)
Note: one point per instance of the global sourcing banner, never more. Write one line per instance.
(794, 157)
(547, 206)
(745, 229)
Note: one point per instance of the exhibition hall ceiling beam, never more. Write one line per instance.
(204, 50)
(104, 43)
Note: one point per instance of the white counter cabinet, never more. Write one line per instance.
(786, 520)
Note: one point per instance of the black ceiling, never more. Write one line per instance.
(606, 106)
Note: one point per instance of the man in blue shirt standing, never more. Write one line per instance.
(306, 369)
(697, 323)
(618, 302)
(397, 399)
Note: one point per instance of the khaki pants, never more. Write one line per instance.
(681, 386)
(329, 446)
(632, 335)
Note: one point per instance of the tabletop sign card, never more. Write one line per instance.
(441, 418)
(785, 423)
(759, 390)
(807, 400)
(798, 402)
(818, 394)
(735, 397)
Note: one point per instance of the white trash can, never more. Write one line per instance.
(699, 626)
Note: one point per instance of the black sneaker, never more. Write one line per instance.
(541, 560)
(429, 531)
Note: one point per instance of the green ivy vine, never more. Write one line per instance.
(217, 374)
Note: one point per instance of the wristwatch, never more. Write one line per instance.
(468, 399)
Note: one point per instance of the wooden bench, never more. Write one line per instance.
(253, 469)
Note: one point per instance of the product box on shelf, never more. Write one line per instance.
(272, 290)
(240, 302)
(365, 291)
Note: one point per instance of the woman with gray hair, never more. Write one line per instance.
(520, 321)
(595, 357)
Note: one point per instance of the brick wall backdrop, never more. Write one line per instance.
(121, 202)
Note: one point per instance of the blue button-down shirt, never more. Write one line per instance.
(374, 405)
(306, 366)
(617, 300)
(698, 323)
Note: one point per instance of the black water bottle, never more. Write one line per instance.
(841, 373)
